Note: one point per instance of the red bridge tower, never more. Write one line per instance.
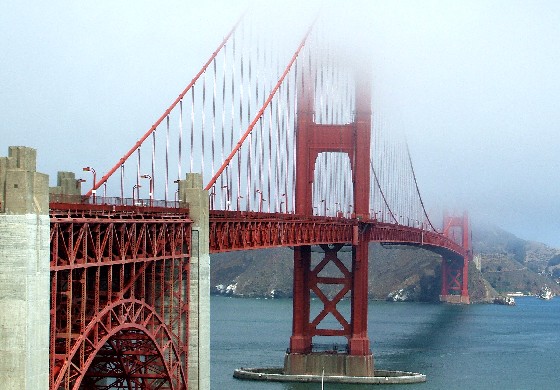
(455, 270)
(352, 139)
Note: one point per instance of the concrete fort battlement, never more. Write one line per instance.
(23, 190)
(24, 271)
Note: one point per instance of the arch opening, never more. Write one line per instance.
(128, 360)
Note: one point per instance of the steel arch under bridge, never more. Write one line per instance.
(119, 297)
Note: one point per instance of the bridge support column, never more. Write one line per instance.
(300, 342)
(198, 371)
(358, 344)
(24, 272)
(455, 271)
(356, 358)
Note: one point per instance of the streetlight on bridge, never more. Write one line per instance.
(135, 189)
(261, 200)
(228, 200)
(151, 194)
(285, 202)
(93, 190)
(79, 182)
(212, 197)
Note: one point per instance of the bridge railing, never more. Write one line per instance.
(114, 201)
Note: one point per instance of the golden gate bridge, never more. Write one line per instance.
(267, 146)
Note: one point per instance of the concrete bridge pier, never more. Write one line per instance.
(192, 194)
(24, 272)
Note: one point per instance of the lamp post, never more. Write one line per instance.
(177, 192)
(228, 201)
(93, 190)
(135, 189)
(79, 182)
(212, 197)
(260, 199)
(151, 195)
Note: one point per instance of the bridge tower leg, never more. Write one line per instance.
(24, 272)
(354, 140)
(192, 193)
(455, 271)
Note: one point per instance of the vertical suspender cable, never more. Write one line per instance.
(122, 183)
(222, 147)
(166, 162)
(230, 182)
(153, 158)
(192, 131)
(137, 176)
(213, 147)
(180, 139)
(269, 195)
(241, 101)
(203, 123)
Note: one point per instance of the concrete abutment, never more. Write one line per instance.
(24, 272)
(198, 370)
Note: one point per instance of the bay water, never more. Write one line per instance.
(456, 347)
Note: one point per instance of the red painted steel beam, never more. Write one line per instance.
(118, 275)
(233, 230)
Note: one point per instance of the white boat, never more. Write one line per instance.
(546, 293)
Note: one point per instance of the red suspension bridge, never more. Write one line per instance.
(289, 152)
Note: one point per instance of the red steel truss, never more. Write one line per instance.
(309, 278)
(119, 297)
(231, 230)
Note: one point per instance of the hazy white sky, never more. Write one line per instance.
(474, 84)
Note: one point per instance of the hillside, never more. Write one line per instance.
(508, 264)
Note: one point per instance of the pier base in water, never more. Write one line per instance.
(457, 299)
(319, 363)
(330, 368)
(379, 377)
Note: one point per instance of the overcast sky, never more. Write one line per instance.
(474, 84)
